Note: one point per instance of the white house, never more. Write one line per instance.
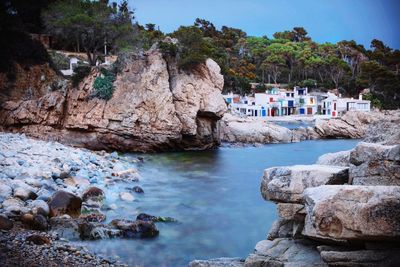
(73, 62)
(337, 106)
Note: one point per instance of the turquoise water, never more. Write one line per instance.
(215, 196)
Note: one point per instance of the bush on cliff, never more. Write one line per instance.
(103, 85)
(80, 72)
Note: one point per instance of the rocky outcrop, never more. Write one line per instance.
(341, 158)
(385, 132)
(285, 252)
(353, 124)
(152, 108)
(350, 223)
(249, 130)
(375, 164)
(348, 213)
(286, 184)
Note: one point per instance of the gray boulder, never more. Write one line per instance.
(341, 158)
(286, 184)
(347, 212)
(375, 164)
(285, 252)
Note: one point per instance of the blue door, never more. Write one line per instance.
(302, 111)
(263, 112)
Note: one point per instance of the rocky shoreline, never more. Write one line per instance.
(51, 194)
(341, 211)
(354, 125)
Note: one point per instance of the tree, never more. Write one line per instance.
(91, 24)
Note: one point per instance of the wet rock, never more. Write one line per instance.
(128, 175)
(341, 158)
(349, 212)
(220, 262)
(93, 193)
(151, 218)
(38, 239)
(375, 164)
(5, 223)
(285, 252)
(63, 202)
(93, 231)
(93, 217)
(35, 222)
(136, 229)
(138, 189)
(65, 227)
(286, 184)
(39, 222)
(126, 196)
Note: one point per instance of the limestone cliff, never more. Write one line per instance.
(152, 108)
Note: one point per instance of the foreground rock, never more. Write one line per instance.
(386, 131)
(154, 107)
(32, 248)
(375, 164)
(285, 252)
(353, 212)
(65, 203)
(341, 158)
(220, 262)
(286, 184)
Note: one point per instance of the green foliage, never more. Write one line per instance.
(376, 103)
(310, 83)
(80, 72)
(194, 48)
(89, 24)
(168, 49)
(60, 61)
(103, 85)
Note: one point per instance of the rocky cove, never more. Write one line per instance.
(72, 206)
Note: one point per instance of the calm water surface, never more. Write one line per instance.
(215, 196)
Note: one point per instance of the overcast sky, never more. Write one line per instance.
(325, 20)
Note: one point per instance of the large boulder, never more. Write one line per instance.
(375, 164)
(353, 124)
(347, 256)
(63, 202)
(349, 212)
(341, 158)
(154, 107)
(286, 184)
(251, 130)
(386, 131)
(285, 252)
(135, 229)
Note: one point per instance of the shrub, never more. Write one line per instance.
(103, 85)
(60, 61)
(168, 49)
(80, 72)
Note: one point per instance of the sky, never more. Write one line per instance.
(325, 20)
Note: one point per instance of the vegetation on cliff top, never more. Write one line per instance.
(289, 57)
